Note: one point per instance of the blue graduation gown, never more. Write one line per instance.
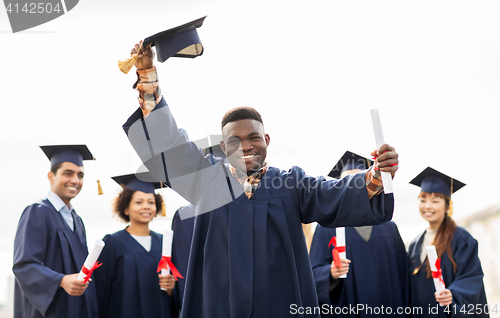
(248, 256)
(181, 245)
(46, 249)
(127, 282)
(466, 284)
(378, 272)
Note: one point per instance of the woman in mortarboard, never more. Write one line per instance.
(128, 284)
(464, 294)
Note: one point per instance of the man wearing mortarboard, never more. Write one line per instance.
(248, 254)
(50, 245)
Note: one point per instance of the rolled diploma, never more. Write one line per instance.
(432, 256)
(92, 257)
(341, 242)
(166, 250)
(379, 140)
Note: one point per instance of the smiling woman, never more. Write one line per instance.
(128, 284)
(456, 249)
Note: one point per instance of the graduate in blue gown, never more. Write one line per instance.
(376, 264)
(464, 295)
(127, 283)
(50, 245)
(248, 255)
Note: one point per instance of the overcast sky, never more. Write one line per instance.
(313, 69)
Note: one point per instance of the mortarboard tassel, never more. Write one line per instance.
(163, 208)
(99, 188)
(125, 65)
(450, 210)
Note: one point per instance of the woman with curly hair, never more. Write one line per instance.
(127, 283)
(464, 293)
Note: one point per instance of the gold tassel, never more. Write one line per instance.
(126, 64)
(450, 210)
(163, 209)
(99, 188)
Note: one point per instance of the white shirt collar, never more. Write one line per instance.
(57, 202)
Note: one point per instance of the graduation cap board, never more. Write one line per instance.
(67, 153)
(433, 181)
(349, 161)
(70, 153)
(138, 182)
(181, 41)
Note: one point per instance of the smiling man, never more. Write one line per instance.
(248, 254)
(50, 245)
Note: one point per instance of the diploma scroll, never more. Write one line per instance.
(166, 250)
(341, 244)
(90, 263)
(379, 140)
(436, 272)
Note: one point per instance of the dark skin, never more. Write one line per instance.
(387, 157)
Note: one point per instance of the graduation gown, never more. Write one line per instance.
(181, 245)
(466, 284)
(46, 249)
(127, 282)
(248, 256)
(378, 272)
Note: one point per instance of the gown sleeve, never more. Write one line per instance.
(467, 288)
(334, 203)
(38, 282)
(320, 257)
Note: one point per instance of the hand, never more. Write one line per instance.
(145, 57)
(167, 282)
(337, 272)
(387, 159)
(72, 285)
(444, 298)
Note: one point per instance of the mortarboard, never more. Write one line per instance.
(181, 41)
(139, 182)
(433, 181)
(349, 161)
(215, 151)
(67, 153)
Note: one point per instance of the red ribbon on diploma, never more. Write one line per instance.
(166, 263)
(335, 252)
(438, 273)
(88, 272)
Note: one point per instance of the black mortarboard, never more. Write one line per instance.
(138, 182)
(433, 181)
(349, 161)
(181, 41)
(67, 153)
(215, 151)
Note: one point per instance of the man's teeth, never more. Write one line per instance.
(72, 188)
(248, 156)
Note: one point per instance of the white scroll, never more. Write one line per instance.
(379, 140)
(91, 261)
